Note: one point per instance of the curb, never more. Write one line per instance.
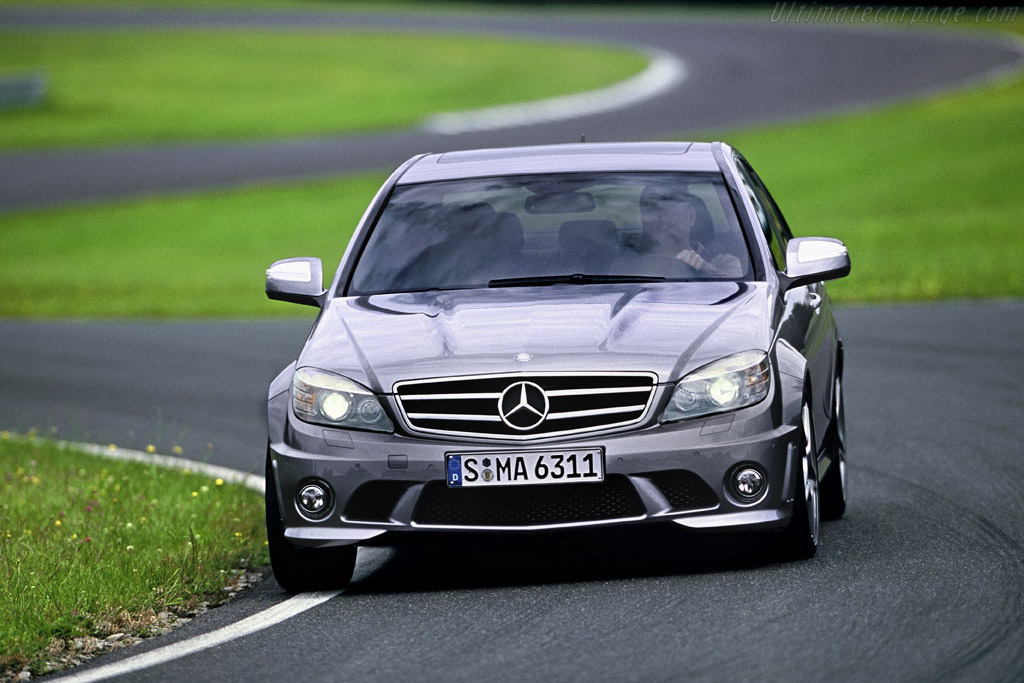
(250, 481)
(664, 72)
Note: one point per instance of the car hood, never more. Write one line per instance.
(665, 328)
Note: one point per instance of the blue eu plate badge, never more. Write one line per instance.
(455, 470)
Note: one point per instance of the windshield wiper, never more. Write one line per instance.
(574, 279)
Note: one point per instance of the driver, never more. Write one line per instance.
(678, 224)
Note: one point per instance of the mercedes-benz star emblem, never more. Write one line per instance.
(523, 406)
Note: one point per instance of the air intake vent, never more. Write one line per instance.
(524, 506)
(684, 490)
(521, 407)
(375, 501)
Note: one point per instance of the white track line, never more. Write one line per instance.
(257, 622)
(252, 481)
(664, 71)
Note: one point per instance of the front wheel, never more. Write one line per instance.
(800, 537)
(296, 569)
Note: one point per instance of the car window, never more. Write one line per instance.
(471, 232)
(780, 221)
(767, 215)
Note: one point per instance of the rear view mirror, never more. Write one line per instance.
(563, 202)
(297, 280)
(814, 259)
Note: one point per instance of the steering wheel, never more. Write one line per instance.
(660, 265)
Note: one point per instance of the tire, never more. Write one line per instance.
(296, 569)
(833, 484)
(800, 537)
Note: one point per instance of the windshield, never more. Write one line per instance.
(564, 229)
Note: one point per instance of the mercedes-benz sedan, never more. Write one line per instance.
(555, 337)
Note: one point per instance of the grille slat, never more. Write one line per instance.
(595, 392)
(594, 412)
(453, 416)
(442, 397)
(578, 403)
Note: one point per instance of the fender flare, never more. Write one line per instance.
(793, 386)
(792, 376)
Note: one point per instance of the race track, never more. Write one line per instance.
(921, 581)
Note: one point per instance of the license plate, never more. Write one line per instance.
(521, 468)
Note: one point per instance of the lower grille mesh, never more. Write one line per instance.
(375, 501)
(683, 489)
(510, 506)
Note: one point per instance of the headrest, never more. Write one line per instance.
(468, 215)
(593, 233)
(509, 231)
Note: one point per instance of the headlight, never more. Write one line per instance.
(734, 382)
(325, 398)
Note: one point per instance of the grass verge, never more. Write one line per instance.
(95, 552)
(118, 86)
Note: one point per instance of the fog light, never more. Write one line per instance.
(748, 484)
(314, 499)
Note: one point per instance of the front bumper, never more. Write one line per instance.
(389, 484)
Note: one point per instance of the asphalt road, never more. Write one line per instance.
(739, 73)
(922, 581)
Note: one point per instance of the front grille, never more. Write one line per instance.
(523, 506)
(576, 403)
(684, 490)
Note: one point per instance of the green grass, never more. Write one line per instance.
(93, 547)
(201, 255)
(162, 86)
(928, 196)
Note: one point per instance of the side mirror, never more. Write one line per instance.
(813, 259)
(298, 281)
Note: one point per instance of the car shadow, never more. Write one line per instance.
(447, 562)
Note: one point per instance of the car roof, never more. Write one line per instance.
(573, 158)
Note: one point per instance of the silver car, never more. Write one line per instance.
(554, 337)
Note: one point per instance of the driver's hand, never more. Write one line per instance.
(692, 259)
